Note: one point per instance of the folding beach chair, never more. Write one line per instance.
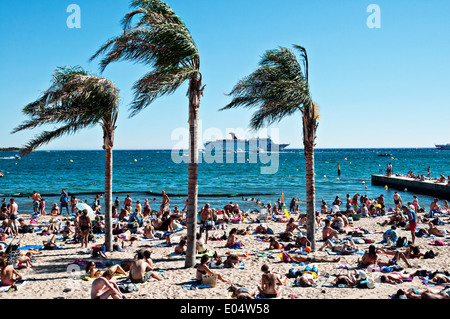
(263, 215)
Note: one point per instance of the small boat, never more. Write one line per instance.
(385, 154)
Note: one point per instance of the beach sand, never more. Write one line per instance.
(52, 275)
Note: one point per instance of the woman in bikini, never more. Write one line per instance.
(95, 273)
(269, 280)
(290, 227)
(243, 292)
(202, 269)
(370, 257)
(85, 225)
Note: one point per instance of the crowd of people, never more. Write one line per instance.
(133, 220)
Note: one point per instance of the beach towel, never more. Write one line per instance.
(209, 253)
(14, 287)
(27, 247)
(192, 285)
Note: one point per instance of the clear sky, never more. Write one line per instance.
(377, 87)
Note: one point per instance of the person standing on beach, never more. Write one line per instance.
(412, 219)
(397, 201)
(206, 215)
(85, 224)
(128, 202)
(13, 211)
(36, 197)
(64, 200)
(165, 202)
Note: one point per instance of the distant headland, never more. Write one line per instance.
(9, 149)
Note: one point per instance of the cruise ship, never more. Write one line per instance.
(237, 145)
(443, 146)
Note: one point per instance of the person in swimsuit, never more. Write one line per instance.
(233, 241)
(395, 277)
(243, 292)
(290, 227)
(328, 232)
(397, 200)
(8, 275)
(268, 288)
(85, 225)
(36, 197)
(103, 287)
(203, 269)
(347, 248)
(141, 271)
(206, 223)
(95, 273)
(299, 258)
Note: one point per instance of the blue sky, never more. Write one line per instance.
(380, 87)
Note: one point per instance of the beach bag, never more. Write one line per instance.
(269, 231)
(209, 280)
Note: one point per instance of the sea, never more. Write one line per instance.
(236, 178)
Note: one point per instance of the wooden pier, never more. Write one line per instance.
(440, 190)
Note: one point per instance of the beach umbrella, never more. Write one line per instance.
(83, 206)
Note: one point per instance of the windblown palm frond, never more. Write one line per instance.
(277, 88)
(159, 39)
(74, 101)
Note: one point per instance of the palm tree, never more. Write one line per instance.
(278, 88)
(74, 101)
(161, 40)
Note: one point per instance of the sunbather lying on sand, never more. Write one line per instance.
(310, 259)
(95, 273)
(347, 248)
(243, 292)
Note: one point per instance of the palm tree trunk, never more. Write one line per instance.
(309, 135)
(310, 196)
(195, 93)
(108, 190)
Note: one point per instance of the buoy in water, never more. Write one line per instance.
(71, 161)
(405, 190)
(366, 187)
(363, 182)
(337, 179)
(345, 158)
(324, 176)
(385, 187)
(135, 160)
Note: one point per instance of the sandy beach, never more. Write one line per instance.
(55, 276)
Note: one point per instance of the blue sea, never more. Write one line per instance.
(145, 173)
